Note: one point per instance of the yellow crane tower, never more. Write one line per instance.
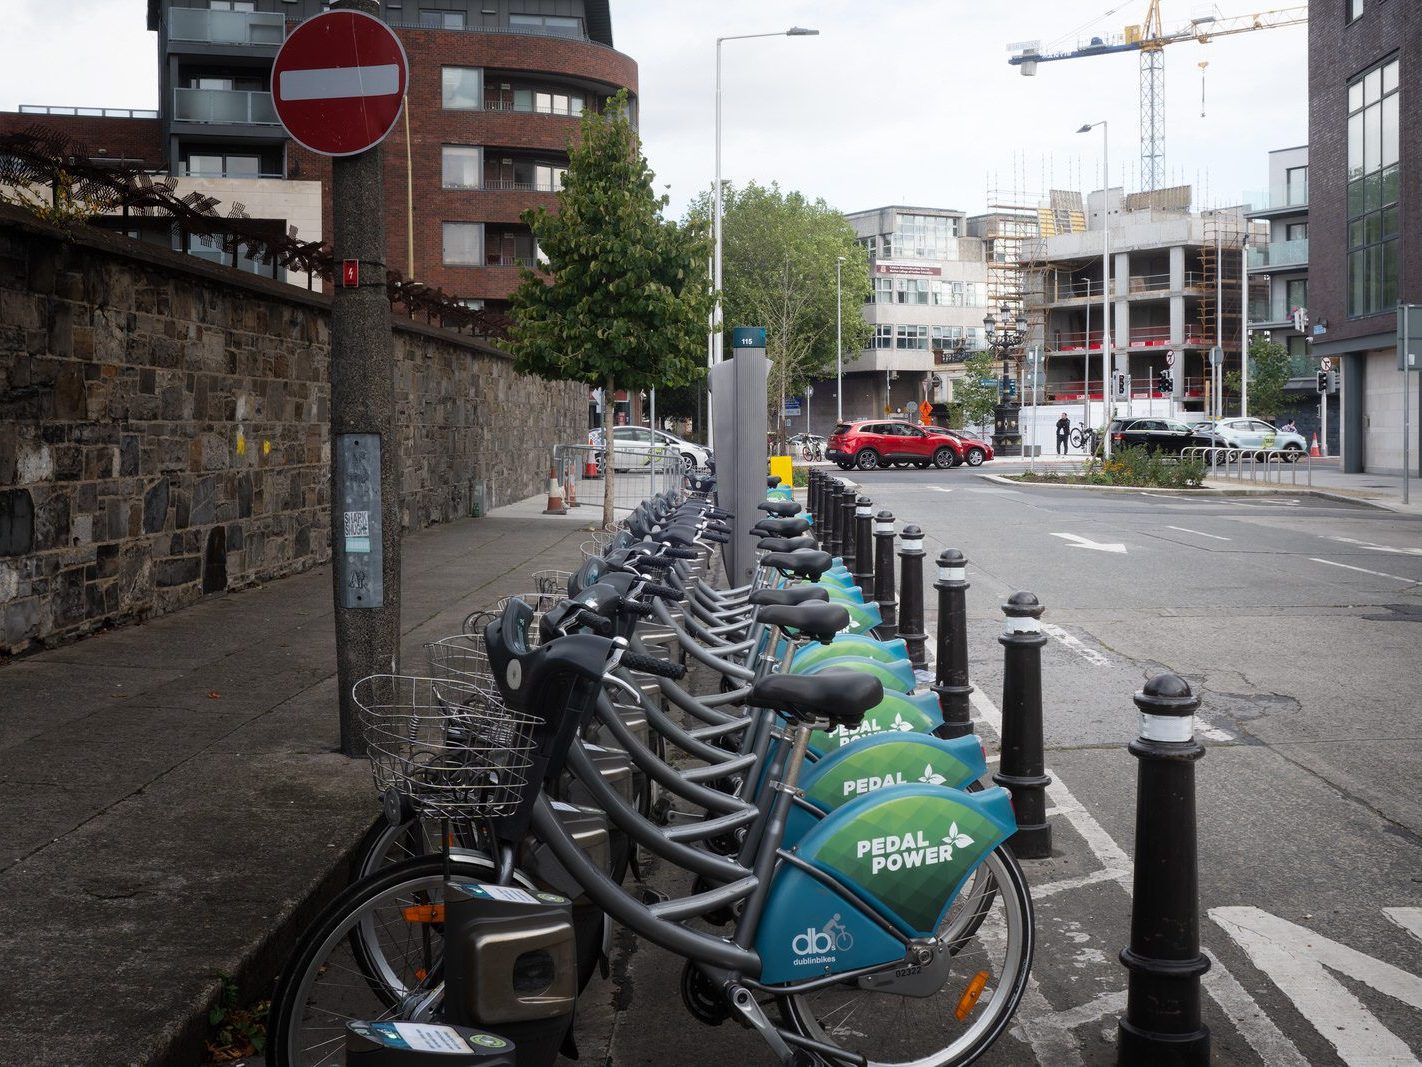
(1149, 40)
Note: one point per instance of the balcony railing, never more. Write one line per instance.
(224, 105)
(226, 27)
(1280, 254)
(508, 185)
(1295, 196)
(494, 259)
(1068, 391)
(89, 112)
(185, 171)
(1140, 337)
(1274, 309)
(532, 109)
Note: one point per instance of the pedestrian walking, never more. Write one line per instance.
(1289, 427)
(1063, 429)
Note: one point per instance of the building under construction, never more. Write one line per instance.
(1177, 290)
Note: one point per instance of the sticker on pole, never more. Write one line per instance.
(339, 81)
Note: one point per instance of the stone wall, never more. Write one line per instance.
(164, 429)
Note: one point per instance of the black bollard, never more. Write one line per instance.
(836, 510)
(884, 575)
(864, 546)
(846, 525)
(832, 542)
(1023, 767)
(911, 626)
(951, 668)
(1162, 1022)
(817, 508)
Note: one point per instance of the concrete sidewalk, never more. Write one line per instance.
(173, 804)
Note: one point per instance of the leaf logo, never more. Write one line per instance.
(933, 778)
(899, 723)
(956, 840)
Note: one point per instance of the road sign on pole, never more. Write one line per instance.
(338, 82)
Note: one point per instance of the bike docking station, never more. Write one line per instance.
(404, 1044)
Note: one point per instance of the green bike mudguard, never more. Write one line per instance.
(842, 594)
(903, 852)
(881, 762)
(850, 645)
(861, 616)
(897, 676)
(896, 713)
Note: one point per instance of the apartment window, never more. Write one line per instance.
(883, 336)
(911, 337)
(463, 244)
(558, 25)
(1296, 293)
(548, 178)
(911, 291)
(1296, 231)
(462, 88)
(883, 291)
(1373, 190)
(442, 20)
(232, 5)
(1355, 9)
(460, 166)
(1296, 185)
(218, 165)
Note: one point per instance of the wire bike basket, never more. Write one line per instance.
(445, 748)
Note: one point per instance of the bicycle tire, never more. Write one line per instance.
(324, 984)
(889, 1027)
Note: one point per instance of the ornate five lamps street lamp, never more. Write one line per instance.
(1005, 333)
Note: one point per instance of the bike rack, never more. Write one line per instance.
(1272, 460)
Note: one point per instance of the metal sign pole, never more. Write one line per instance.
(1406, 342)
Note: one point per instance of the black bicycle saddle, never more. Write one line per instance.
(841, 697)
(791, 594)
(787, 527)
(785, 509)
(820, 621)
(787, 544)
(804, 563)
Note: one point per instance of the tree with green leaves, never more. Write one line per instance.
(1269, 373)
(621, 300)
(975, 394)
(778, 256)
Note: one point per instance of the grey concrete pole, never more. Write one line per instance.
(367, 614)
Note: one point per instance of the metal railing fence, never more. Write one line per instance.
(580, 470)
(1263, 464)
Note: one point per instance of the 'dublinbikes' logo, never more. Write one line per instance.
(820, 946)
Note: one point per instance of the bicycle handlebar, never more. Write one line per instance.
(635, 661)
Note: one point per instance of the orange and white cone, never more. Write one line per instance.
(590, 467)
(555, 495)
(1313, 448)
(571, 490)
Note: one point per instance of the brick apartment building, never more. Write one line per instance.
(1365, 212)
(495, 91)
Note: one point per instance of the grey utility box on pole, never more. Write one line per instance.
(740, 424)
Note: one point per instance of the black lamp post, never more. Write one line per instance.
(1005, 333)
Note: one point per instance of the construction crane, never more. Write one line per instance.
(1149, 40)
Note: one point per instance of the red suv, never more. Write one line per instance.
(872, 444)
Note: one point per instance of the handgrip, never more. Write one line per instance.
(631, 607)
(717, 536)
(652, 563)
(593, 621)
(634, 661)
(672, 552)
(665, 592)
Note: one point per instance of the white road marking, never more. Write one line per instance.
(1363, 570)
(336, 83)
(1295, 957)
(1096, 659)
(939, 488)
(1258, 1029)
(1410, 919)
(1373, 546)
(1198, 533)
(1105, 874)
(1077, 541)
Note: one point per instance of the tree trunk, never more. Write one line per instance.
(609, 419)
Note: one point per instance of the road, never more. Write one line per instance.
(1296, 621)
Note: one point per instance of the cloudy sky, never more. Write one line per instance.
(896, 101)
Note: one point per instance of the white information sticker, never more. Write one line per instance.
(513, 894)
(424, 1037)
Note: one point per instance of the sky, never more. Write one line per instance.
(895, 102)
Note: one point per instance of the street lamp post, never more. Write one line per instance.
(717, 321)
(1005, 332)
(838, 339)
(1108, 407)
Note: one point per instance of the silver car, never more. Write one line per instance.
(1253, 433)
(638, 446)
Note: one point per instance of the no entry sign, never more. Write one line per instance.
(338, 82)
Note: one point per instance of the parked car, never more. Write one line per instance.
(881, 443)
(1152, 434)
(1250, 433)
(637, 446)
(975, 451)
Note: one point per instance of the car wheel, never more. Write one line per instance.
(843, 465)
(867, 459)
(1292, 453)
(975, 457)
(688, 462)
(943, 459)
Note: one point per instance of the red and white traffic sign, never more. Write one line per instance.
(338, 82)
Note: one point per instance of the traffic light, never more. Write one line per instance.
(1167, 383)
(1120, 385)
(1322, 381)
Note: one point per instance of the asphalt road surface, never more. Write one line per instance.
(1298, 622)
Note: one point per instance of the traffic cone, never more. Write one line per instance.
(571, 490)
(1313, 448)
(555, 495)
(590, 467)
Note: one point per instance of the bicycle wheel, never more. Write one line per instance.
(325, 983)
(1076, 437)
(985, 943)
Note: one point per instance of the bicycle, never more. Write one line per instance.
(812, 452)
(1085, 438)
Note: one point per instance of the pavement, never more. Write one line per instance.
(174, 803)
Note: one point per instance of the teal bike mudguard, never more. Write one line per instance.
(905, 851)
(897, 712)
(881, 762)
(896, 677)
(851, 645)
(841, 594)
